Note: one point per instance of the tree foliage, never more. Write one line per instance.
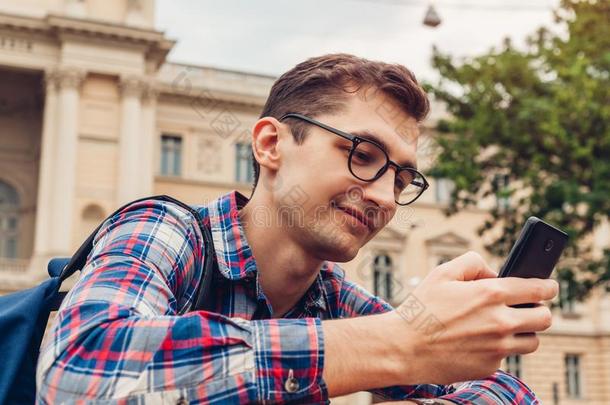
(539, 115)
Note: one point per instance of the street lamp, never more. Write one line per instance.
(432, 18)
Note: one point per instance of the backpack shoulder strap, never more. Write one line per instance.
(77, 261)
(203, 298)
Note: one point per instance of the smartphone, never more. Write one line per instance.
(536, 251)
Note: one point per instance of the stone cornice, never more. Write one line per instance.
(22, 23)
(105, 29)
(56, 27)
(57, 23)
(168, 92)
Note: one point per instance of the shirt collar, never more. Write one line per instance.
(235, 258)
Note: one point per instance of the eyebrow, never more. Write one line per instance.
(373, 137)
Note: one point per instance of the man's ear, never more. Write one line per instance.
(265, 142)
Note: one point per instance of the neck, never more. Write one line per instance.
(286, 270)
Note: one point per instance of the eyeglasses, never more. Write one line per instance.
(368, 161)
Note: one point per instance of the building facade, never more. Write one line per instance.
(92, 115)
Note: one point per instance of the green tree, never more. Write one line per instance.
(539, 116)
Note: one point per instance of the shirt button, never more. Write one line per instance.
(291, 384)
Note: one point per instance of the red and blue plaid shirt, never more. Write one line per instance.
(124, 333)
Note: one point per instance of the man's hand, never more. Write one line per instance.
(458, 324)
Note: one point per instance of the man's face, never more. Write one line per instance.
(320, 197)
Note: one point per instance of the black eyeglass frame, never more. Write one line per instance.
(356, 140)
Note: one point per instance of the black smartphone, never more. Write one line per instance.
(536, 251)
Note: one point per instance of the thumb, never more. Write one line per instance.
(467, 267)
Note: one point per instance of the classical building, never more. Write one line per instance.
(92, 115)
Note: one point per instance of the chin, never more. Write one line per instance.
(343, 258)
(340, 254)
(336, 246)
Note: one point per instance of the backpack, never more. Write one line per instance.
(24, 314)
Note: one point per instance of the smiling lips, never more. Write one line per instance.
(356, 214)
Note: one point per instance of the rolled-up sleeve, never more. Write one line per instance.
(499, 388)
(124, 332)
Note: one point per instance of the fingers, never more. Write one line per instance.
(514, 290)
(527, 320)
(523, 344)
(467, 267)
(528, 290)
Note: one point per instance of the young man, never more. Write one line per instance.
(335, 152)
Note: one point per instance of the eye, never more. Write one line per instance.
(362, 157)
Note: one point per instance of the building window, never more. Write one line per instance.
(244, 172)
(444, 188)
(555, 393)
(9, 221)
(501, 182)
(567, 303)
(513, 365)
(382, 275)
(573, 383)
(171, 155)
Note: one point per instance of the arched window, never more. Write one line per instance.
(9, 221)
(382, 274)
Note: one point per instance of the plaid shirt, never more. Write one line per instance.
(124, 333)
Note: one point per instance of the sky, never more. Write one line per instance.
(271, 36)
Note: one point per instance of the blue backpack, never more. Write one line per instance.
(24, 314)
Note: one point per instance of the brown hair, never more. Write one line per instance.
(319, 85)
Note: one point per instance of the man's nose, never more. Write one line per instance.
(381, 191)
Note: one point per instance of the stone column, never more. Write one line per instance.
(130, 144)
(148, 141)
(64, 159)
(44, 211)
